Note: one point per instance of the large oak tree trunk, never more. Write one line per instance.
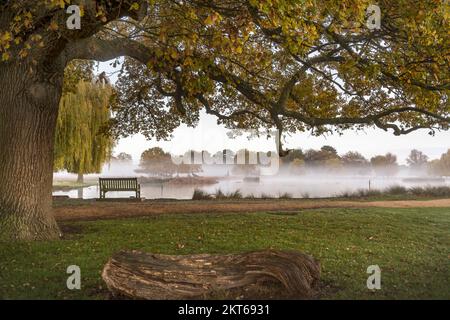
(29, 103)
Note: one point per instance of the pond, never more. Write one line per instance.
(296, 186)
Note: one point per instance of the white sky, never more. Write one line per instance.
(212, 137)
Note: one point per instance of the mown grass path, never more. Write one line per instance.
(73, 209)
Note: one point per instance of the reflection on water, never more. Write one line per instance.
(298, 187)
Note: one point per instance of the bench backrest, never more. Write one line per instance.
(118, 184)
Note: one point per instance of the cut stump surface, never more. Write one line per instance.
(267, 274)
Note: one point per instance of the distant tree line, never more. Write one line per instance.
(441, 166)
(327, 158)
(155, 161)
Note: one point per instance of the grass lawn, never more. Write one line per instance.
(411, 246)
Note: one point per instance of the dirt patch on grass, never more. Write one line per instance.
(71, 229)
(326, 289)
(115, 210)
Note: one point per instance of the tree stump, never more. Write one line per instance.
(267, 274)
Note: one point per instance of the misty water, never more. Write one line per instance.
(314, 185)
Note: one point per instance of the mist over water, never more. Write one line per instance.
(311, 182)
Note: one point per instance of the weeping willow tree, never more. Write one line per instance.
(80, 145)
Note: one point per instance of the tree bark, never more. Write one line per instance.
(80, 193)
(28, 112)
(80, 178)
(266, 274)
(31, 88)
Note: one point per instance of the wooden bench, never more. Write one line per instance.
(119, 184)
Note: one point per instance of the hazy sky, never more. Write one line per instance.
(212, 137)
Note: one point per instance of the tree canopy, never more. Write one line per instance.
(441, 166)
(123, 157)
(385, 165)
(289, 65)
(417, 159)
(80, 145)
(155, 161)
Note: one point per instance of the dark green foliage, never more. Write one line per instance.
(201, 195)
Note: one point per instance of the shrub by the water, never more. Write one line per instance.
(201, 195)
(429, 191)
(285, 195)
